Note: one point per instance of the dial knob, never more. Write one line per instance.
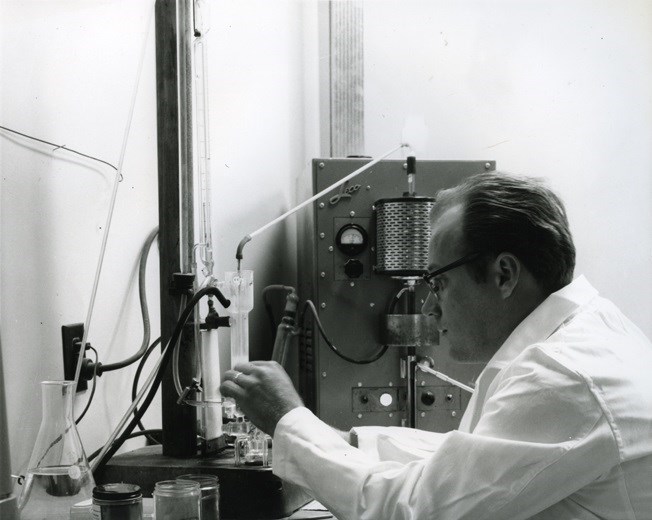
(428, 398)
(353, 268)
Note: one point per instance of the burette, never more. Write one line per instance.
(202, 133)
(203, 248)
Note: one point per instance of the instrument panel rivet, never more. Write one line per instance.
(453, 414)
(321, 205)
(359, 383)
(322, 235)
(323, 305)
(423, 414)
(352, 213)
(321, 165)
(323, 374)
(322, 274)
(359, 416)
(487, 166)
(330, 248)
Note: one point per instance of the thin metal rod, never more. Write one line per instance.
(323, 192)
(109, 217)
(444, 377)
(131, 409)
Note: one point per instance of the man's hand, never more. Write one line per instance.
(263, 391)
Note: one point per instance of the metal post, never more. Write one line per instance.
(175, 203)
(411, 362)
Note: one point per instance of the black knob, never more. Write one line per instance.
(428, 398)
(364, 398)
(353, 268)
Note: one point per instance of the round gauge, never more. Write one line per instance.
(351, 239)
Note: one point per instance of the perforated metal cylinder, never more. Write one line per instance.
(402, 235)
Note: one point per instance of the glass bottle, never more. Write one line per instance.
(58, 475)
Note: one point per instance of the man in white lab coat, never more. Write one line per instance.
(560, 423)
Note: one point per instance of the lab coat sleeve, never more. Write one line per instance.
(542, 436)
(391, 443)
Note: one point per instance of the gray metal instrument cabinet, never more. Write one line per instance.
(352, 300)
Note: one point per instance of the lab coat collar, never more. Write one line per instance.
(543, 321)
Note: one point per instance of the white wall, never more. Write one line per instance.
(553, 89)
(68, 70)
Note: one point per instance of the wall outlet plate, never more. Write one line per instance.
(71, 337)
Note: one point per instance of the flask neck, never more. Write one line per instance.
(57, 401)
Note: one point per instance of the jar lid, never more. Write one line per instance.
(118, 491)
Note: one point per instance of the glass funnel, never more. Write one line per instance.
(58, 475)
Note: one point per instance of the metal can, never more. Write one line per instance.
(117, 501)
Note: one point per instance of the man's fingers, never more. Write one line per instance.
(231, 389)
(239, 378)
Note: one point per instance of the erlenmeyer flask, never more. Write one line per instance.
(58, 475)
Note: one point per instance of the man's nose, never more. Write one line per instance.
(431, 306)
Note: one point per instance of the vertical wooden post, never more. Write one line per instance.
(179, 421)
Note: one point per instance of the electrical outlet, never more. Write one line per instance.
(71, 336)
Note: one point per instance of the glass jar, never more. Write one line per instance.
(177, 500)
(210, 495)
(117, 502)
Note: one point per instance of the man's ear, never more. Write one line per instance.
(506, 271)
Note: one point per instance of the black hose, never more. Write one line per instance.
(309, 305)
(134, 386)
(176, 336)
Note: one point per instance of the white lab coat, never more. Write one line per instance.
(559, 428)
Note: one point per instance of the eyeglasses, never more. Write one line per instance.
(431, 277)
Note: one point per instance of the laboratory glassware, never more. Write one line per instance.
(177, 500)
(58, 475)
(239, 286)
(210, 495)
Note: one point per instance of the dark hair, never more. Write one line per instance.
(519, 215)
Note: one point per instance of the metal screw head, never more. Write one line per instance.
(368, 187)
(323, 374)
(359, 383)
(352, 213)
(405, 166)
(372, 305)
(359, 416)
(322, 274)
(322, 235)
(390, 384)
(321, 165)
(423, 383)
(373, 248)
(391, 415)
(423, 414)
(449, 397)
(373, 207)
(453, 413)
(321, 205)
(323, 305)
(330, 248)
(352, 284)
(487, 166)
